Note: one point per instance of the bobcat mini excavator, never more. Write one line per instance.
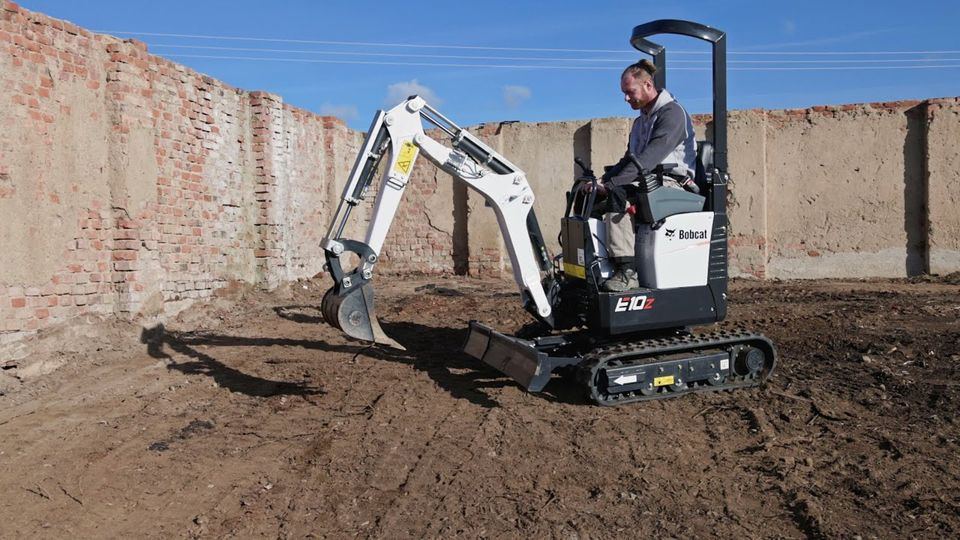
(621, 346)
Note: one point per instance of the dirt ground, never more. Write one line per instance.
(249, 417)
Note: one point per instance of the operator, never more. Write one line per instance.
(661, 134)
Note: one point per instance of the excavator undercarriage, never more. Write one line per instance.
(621, 371)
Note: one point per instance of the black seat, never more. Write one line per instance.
(704, 166)
(656, 203)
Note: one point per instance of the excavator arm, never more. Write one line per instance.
(397, 137)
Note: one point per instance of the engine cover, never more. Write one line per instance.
(676, 253)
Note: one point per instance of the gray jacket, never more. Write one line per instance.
(664, 135)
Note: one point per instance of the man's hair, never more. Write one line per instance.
(644, 69)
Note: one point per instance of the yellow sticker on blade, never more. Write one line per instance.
(408, 152)
(573, 270)
(663, 381)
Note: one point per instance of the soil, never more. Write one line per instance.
(248, 417)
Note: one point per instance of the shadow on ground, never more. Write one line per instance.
(435, 351)
(203, 364)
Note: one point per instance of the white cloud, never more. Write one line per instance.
(400, 91)
(514, 96)
(345, 112)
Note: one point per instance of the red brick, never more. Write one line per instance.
(18, 302)
(124, 255)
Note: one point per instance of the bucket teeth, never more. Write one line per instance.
(354, 313)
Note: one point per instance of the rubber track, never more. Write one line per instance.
(646, 352)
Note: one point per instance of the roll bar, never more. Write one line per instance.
(659, 53)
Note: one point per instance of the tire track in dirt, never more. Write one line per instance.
(437, 465)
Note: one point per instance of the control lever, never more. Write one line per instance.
(587, 171)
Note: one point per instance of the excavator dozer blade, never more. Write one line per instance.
(354, 314)
(514, 357)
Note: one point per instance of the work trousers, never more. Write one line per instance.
(622, 231)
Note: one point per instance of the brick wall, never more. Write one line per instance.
(132, 185)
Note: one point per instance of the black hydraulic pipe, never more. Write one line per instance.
(536, 239)
(483, 157)
(370, 166)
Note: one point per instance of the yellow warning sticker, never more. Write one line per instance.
(663, 381)
(574, 270)
(408, 152)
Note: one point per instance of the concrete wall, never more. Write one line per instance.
(131, 185)
(940, 166)
(866, 190)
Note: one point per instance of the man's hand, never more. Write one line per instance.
(587, 187)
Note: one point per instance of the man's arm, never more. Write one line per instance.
(623, 173)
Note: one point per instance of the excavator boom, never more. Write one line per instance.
(394, 142)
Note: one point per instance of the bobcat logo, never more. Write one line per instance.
(671, 234)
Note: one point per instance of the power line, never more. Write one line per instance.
(540, 66)
(533, 59)
(839, 53)
(376, 63)
(527, 49)
(359, 43)
(396, 55)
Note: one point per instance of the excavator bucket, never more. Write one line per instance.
(514, 357)
(354, 313)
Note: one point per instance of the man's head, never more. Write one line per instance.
(637, 86)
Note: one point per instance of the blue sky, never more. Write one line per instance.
(783, 54)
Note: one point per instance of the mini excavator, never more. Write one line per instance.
(622, 347)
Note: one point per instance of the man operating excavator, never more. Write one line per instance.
(661, 135)
(626, 341)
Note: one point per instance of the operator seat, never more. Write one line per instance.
(704, 169)
(655, 202)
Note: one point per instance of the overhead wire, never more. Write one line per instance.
(536, 66)
(781, 64)
(528, 58)
(488, 48)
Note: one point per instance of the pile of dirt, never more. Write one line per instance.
(248, 416)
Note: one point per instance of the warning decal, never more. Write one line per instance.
(408, 152)
(663, 381)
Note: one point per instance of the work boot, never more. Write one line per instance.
(624, 279)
